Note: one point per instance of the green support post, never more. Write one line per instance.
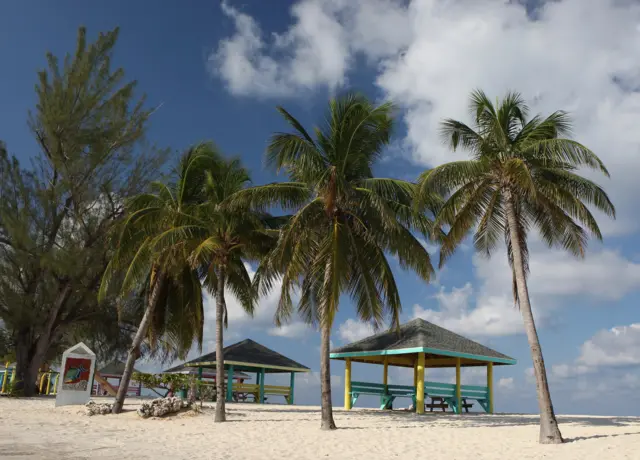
(262, 386)
(200, 382)
(230, 384)
(293, 380)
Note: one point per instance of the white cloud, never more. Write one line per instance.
(618, 346)
(506, 383)
(605, 353)
(492, 315)
(317, 50)
(293, 330)
(555, 277)
(353, 330)
(554, 273)
(427, 55)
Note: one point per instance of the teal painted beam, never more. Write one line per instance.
(230, 384)
(262, 386)
(293, 381)
(433, 351)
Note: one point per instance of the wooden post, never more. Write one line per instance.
(490, 386)
(385, 374)
(229, 383)
(262, 386)
(458, 387)
(293, 380)
(420, 384)
(347, 384)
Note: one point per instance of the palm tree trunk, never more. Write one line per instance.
(220, 308)
(134, 351)
(191, 398)
(325, 378)
(549, 431)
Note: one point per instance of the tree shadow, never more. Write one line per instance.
(483, 420)
(599, 436)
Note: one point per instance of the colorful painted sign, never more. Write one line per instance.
(78, 366)
(76, 374)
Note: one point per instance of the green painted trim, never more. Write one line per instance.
(433, 351)
(229, 384)
(293, 381)
(210, 364)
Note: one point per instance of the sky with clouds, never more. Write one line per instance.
(219, 69)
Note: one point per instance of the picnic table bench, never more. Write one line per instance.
(443, 395)
(387, 393)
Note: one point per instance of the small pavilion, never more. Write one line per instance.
(421, 345)
(113, 370)
(251, 357)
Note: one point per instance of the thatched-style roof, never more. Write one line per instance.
(115, 367)
(419, 335)
(250, 356)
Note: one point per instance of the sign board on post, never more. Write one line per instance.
(74, 383)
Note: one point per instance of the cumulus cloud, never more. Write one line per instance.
(618, 346)
(506, 383)
(489, 309)
(608, 354)
(492, 315)
(427, 55)
(353, 330)
(317, 50)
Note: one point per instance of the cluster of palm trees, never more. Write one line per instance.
(201, 228)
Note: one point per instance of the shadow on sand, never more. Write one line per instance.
(401, 418)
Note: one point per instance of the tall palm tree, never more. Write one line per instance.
(522, 175)
(229, 232)
(152, 251)
(347, 223)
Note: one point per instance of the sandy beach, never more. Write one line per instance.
(35, 429)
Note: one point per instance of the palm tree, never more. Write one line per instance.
(153, 252)
(522, 175)
(229, 232)
(346, 224)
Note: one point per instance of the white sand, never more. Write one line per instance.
(35, 429)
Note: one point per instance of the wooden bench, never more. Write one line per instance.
(387, 393)
(445, 393)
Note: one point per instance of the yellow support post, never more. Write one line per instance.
(49, 383)
(420, 384)
(347, 384)
(385, 375)
(41, 387)
(490, 385)
(458, 387)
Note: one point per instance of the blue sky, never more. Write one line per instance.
(219, 70)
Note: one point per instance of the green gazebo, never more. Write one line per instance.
(421, 345)
(249, 356)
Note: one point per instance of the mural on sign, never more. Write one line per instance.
(76, 374)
